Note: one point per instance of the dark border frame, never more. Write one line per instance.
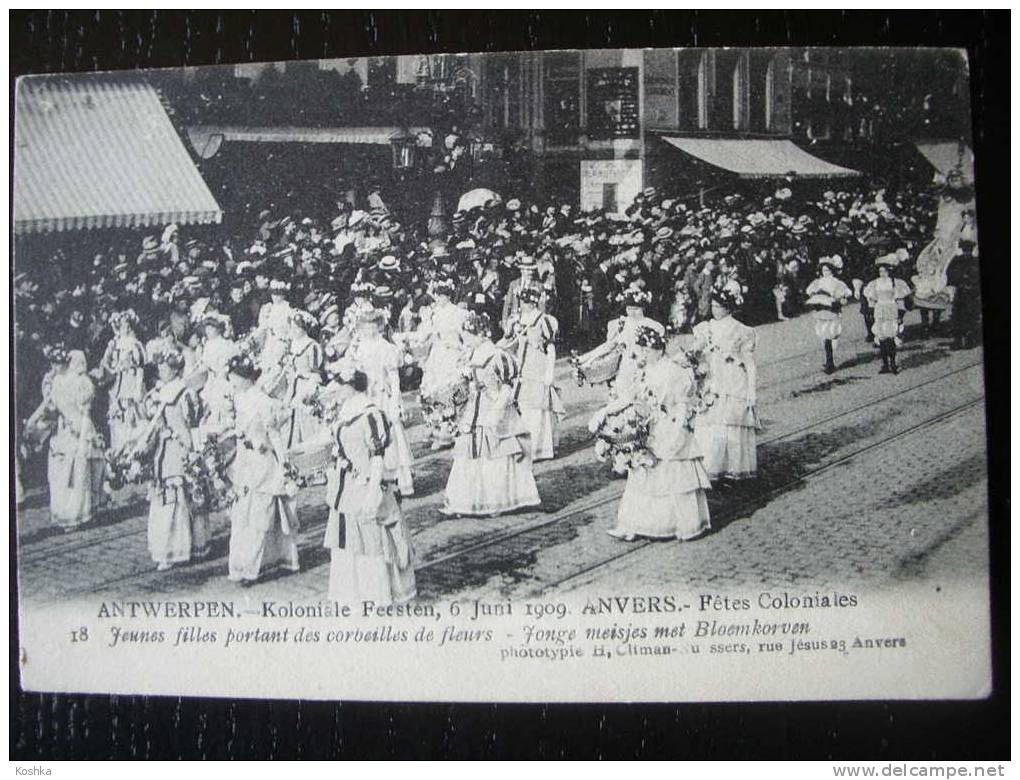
(45, 726)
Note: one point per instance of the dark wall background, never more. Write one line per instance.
(77, 727)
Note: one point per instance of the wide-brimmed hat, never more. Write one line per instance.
(835, 261)
(389, 263)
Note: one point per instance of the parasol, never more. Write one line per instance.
(476, 197)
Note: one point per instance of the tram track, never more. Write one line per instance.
(509, 535)
(604, 500)
(71, 544)
(731, 512)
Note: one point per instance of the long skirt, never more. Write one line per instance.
(263, 533)
(729, 450)
(540, 409)
(666, 501)
(376, 561)
(490, 486)
(176, 533)
(125, 420)
(491, 475)
(76, 484)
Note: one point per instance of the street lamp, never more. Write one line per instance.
(404, 156)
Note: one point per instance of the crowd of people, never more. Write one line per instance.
(229, 375)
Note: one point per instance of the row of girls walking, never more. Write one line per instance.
(248, 409)
(267, 415)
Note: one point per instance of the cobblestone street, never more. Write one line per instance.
(865, 481)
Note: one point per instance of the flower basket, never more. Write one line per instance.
(621, 439)
(311, 461)
(598, 371)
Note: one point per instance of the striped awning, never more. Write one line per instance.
(759, 158)
(100, 152)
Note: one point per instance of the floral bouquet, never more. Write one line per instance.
(206, 473)
(701, 396)
(124, 468)
(443, 406)
(622, 438)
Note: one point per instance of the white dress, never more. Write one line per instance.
(217, 394)
(273, 331)
(75, 464)
(886, 296)
(826, 295)
(124, 359)
(380, 361)
(176, 530)
(263, 520)
(536, 397)
(443, 365)
(667, 500)
(371, 558)
(491, 471)
(621, 333)
(727, 430)
(304, 377)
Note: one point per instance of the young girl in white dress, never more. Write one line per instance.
(886, 294)
(491, 471)
(379, 360)
(304, 375)
(442, 330)
(273, 334)
(177, 531)
(727, 426)
(665, 500)
(620, 335)
(75, 466)
(826, 297)
(263, 519)
(532, 335)
(371, 558)
(217, 395)
(124, 362)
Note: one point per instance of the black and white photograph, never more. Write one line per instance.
(592, 375)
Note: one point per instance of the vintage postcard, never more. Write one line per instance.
(604, 375)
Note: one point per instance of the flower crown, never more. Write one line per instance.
(302, 318)
(634, 296)
(443, 287)
(56, 354)
(169, 355)
(730, 294)
(531, 294)
(127, 315)
(242, 363)
(478, 324)
(649, 337)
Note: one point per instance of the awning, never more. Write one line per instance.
(758, 158)
(207, 138)
(98, 152)
(946, 155)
